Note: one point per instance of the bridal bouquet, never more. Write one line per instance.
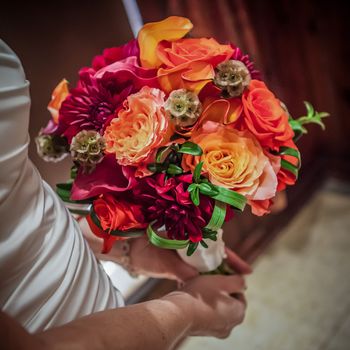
(169, 135)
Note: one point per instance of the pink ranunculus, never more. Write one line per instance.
(108, 176)
(168, 202)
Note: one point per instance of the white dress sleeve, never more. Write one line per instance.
(48, 274)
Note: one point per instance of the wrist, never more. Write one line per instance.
(183, 307)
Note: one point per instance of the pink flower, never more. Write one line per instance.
(114, 54)
(108, 176)
(168, 202)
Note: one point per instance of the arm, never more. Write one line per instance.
(204, 307)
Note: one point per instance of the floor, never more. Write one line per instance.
(299, 293)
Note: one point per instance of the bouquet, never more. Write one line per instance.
(169, 135)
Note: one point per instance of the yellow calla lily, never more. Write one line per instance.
(171, 28)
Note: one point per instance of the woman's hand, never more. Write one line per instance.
(215, 304)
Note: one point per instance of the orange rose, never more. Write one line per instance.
(189, 63)
(235, 160)
(115, 215)
(264, 117)
(141, 127)
(59, 94)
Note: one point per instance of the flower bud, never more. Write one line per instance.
(183, 107)
(51, 148)
(87, 148)
(232, 77)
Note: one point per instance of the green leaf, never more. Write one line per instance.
(174, 170)
(311, 116)
(162, 153)
(288, 151)
(195, 196)
(203, 244)
(73, 172)
(192, 187)
(190, 148)
(217, 217)
(230, 197)
(197, 172)
(63, 190)
(208, 189)
(191, 248)
(165, 243)
(290, 167)
(155, 167)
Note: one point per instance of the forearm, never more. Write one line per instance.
(157, 324)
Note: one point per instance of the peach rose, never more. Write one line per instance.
(235, 160)
(189, 63)
(59, 94)
(141, 127)
(264, 116)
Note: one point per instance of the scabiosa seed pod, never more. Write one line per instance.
(183, 107)
(232, 77)
(87, 149)
(52, 148)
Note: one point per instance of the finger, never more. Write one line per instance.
(238, 264)
(230, 284)
(184, 272)
(240, 297)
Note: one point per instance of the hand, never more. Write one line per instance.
(215, 303)
(149, 260)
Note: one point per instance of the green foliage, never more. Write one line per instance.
(311, 117)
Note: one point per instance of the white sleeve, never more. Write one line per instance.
(48, 274)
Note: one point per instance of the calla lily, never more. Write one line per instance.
(170, 29)
(59, 94)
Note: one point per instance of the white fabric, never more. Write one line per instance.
(48, 275)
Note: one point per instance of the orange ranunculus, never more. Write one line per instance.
(115, 215)
(190, 63)
(171, 28)
(141, 127)
(233, 159)
(264, 116)
(59, 94)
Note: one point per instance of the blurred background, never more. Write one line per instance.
(300, 291)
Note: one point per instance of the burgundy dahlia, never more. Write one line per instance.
(89, 106)
(168, 202)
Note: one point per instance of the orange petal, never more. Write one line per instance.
(59, 94)
(171, 28)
